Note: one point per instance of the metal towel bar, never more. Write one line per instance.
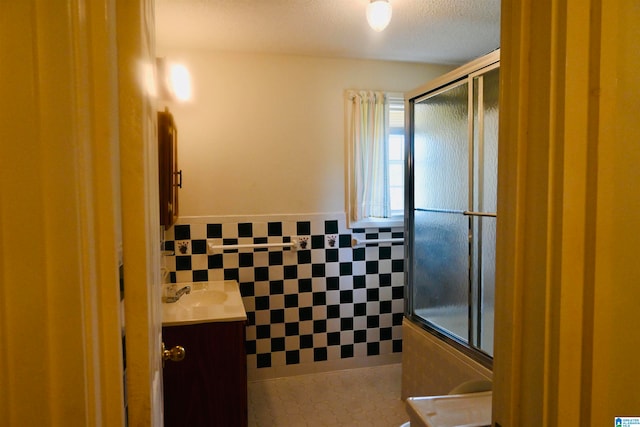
(292, 244)
(360, 242)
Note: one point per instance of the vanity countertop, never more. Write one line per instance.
(217, 301)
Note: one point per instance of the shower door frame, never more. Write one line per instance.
(462, 75)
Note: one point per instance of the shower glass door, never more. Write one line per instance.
(485, 204)
(452, 175)
(441, 193)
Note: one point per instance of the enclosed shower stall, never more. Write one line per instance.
(451, 176)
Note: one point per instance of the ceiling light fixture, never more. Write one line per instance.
(379, 14)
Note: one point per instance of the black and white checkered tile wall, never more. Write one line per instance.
(325, 302)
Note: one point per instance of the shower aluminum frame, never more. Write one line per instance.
(462, 75)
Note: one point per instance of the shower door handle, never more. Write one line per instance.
(456, 211)
(472, 213)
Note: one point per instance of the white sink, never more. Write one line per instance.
(218, 301)
(203, 297)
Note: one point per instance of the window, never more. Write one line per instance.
(396, 155)
(375, 161)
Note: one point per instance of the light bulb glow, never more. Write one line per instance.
(379, 14)
(180, 82)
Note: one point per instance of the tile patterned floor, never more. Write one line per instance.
(355, 397)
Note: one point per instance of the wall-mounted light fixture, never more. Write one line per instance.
(174, 81)
(379, 14)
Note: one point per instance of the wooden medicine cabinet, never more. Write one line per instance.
(170, 177)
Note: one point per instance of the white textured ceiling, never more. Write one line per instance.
(432, 31)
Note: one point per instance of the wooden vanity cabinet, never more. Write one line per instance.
(208, 387)
(169, 176)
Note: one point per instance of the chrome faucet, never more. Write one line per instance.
(178, 294)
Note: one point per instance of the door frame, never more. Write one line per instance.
(566, 293)
(60, 216)
(141, 231)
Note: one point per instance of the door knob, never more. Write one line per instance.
(176, 354)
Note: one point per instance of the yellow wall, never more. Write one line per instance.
(265, 133)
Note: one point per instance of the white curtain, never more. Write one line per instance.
(367, 133)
